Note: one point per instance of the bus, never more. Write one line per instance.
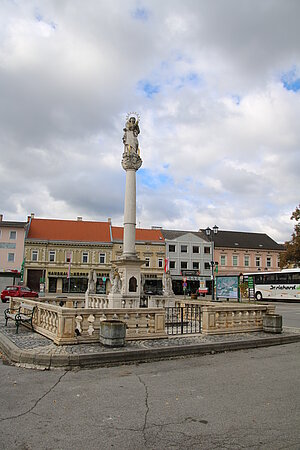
(280, 285)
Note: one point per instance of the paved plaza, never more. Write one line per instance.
(237, 400)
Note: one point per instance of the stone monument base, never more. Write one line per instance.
(122, 301)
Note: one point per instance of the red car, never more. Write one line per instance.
(17, 291)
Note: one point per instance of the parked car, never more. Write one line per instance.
(17, 291)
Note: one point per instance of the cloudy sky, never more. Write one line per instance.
(217, 85)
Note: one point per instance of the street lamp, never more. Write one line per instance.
(210, 233)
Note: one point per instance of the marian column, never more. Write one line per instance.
(126, 277)
(131, 162)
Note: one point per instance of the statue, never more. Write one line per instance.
(131, 132)
(91, 289)
(167, 284)
(115, 281)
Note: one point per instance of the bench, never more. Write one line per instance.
(23, 314)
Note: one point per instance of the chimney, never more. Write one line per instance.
(109, 220)
(1, 217)
(79, 219)
(32, 215)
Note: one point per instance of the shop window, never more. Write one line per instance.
(52, 284)
(74, 285)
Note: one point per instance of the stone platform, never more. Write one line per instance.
(30, 349)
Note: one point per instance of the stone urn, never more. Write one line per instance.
(272, 323)
(112, 333)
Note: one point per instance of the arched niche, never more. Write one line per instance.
(132, 284)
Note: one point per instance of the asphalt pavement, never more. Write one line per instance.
(237, 400)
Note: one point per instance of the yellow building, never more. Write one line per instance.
(60, 254)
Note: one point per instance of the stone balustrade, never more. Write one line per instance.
(233, 318)
(66, 325)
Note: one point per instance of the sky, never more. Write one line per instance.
(217, 87)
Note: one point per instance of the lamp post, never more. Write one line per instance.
(210, 233)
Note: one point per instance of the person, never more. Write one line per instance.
(131, 132)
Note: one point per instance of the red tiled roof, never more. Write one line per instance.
(141, 234)
(69, 230)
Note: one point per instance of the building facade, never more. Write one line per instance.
(60, 255)
(241, 252)
(189, 256)
(12, 235)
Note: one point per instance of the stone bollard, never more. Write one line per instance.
(272, 323)
(112, 333)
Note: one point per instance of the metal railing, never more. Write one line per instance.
(183, 319)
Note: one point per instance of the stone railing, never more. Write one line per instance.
(233, 318)
(66, 325)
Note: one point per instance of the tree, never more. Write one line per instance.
(291, 255)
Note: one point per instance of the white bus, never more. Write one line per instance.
(281, 285)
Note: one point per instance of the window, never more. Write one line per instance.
(34, 255)
(12, 235)
(269, 261)
(172, 248)
(206, 265)
(196, 265)
(183, 264)
(257, 261)
(0, 233)
(207, 250)
(52, 255)
(172, 265)
(246, 260)
(278, 263)
(234, 260)
(85, 257)
(195, 249)
(223, 260)
(147, 263)
(11, 257)
(183, 248)
(160, 262)
(102, 258)
(68, 257)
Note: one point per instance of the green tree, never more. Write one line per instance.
(291, 256)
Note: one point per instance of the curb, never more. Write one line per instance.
(29, 358)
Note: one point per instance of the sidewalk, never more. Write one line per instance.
(30, 349)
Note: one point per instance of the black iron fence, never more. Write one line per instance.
(183, 319)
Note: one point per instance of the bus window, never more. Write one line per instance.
(295, 278)
(282, 277)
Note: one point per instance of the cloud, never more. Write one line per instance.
(217, 86)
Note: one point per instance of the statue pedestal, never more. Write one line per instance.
(129, 268)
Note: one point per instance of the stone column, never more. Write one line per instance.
(131, 162)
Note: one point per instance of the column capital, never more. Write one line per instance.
(131, 161)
